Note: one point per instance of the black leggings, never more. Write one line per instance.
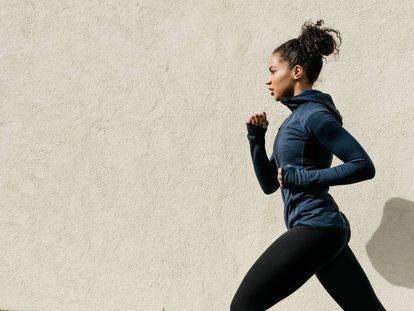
(293, 258)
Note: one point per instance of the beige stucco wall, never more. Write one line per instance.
(126, 178)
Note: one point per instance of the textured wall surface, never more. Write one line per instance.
(126, 181)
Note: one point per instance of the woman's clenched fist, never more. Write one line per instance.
(258, 119)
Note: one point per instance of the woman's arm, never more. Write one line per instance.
(324, 128)
(265, 169)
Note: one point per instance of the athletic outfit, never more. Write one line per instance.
(303, 147)
(317, 236)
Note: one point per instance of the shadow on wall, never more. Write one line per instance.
(391, 248)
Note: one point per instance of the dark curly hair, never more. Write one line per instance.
(308, 49)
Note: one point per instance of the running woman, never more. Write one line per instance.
(317, 236)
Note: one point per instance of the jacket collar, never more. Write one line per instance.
(311, 95)
(293, 102)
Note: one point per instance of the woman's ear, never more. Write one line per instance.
(297, 72)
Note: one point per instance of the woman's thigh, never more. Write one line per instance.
(345, 280)
(286, 265)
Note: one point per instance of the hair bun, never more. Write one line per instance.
(317, 41)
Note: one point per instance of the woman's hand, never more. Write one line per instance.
(258, 119)
(279, 176)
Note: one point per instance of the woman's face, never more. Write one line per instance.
(282, 80)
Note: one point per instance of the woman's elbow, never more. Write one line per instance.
(372, 175)
(269, 190)
(369, 170)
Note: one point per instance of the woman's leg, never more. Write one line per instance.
(346, 282)
(286, 265)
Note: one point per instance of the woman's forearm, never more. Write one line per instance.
(346, 173)
(265, 169)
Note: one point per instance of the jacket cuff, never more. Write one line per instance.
(287, 175)
(255, 133)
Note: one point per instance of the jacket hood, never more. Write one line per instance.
(312, 95)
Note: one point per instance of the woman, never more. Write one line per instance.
(317, 236)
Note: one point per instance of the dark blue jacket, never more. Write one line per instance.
(304, 146)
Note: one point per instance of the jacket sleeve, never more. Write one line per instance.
(325, 129)
(265, 169)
